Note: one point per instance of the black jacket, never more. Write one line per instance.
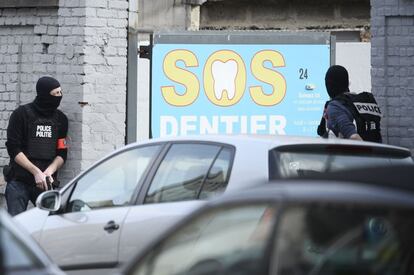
(17, 141)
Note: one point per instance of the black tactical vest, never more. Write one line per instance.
(42, 135)
(366, 114)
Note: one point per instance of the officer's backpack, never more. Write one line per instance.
(366, 113)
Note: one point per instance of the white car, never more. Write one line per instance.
(100, 218)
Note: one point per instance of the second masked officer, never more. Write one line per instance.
(36, 143)
(349, 115)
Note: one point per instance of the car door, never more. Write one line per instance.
(188, 172)
(86, 235)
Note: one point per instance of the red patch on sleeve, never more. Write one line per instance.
(61, 143)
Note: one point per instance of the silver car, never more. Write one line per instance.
(100, 218)
(20, 254)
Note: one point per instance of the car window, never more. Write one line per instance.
(344, 240)
(287, 164)
(113, 182)
(182, 172)
(15, 255)
(217, 178)
(222, 241)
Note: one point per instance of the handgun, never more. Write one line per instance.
(49, 184)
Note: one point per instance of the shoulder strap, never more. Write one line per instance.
(345, 98)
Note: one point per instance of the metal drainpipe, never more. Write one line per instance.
(132, 70)
(19, 76)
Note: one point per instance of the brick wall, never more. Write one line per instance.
(83, 43)
(93, 37)
(105, 62)
(27, 36)
(392, 55)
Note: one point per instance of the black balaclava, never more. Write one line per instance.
(45, 103)
(336, 81)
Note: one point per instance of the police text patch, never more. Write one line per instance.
(368, 108)
(44, 131)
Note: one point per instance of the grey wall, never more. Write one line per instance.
(258, 14)
(285, 14)
(163, 15)
(393, 67)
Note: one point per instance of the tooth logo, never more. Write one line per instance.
(224, 78)
(224, 75)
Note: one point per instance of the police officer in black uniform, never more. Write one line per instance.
(36, 143)
(349, 115)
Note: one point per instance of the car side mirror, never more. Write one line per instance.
(49, 200)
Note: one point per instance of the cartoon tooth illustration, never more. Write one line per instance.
(224, 76)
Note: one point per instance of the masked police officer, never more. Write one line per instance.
(349, 115)
(36, 143)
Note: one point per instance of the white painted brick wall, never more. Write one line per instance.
(83, 44)
(105, 80)
(21, 34)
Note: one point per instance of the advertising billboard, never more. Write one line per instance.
(238, 82)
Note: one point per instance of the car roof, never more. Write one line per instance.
(271, 140)
(262, 141)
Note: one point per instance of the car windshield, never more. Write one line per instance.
(304, 161)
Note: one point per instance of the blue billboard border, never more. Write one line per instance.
(238, 37)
